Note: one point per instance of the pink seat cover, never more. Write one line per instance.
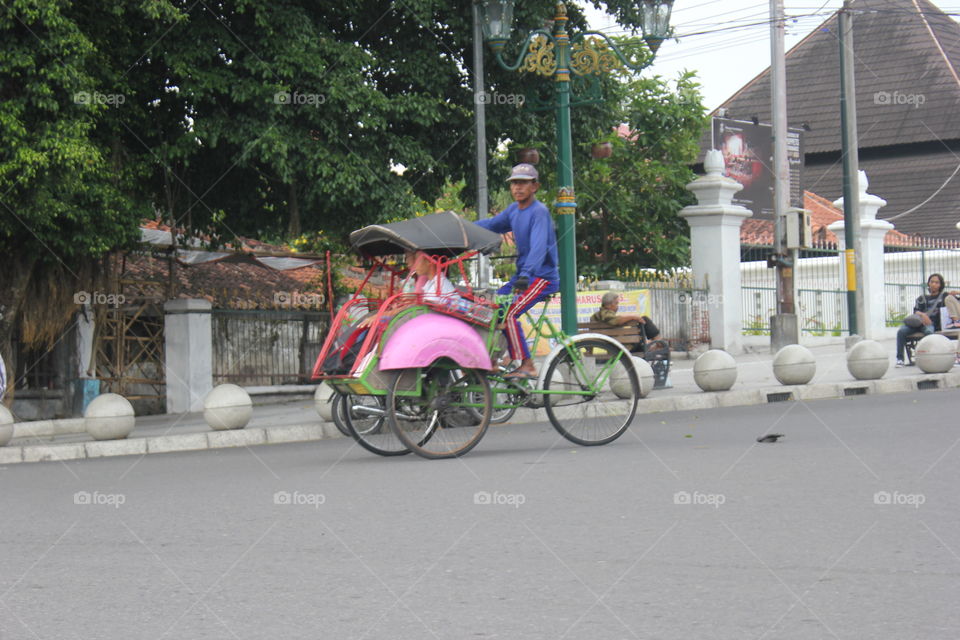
(426, 338)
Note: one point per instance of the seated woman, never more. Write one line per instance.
(926, 314)
(431, 283)
(609, 304)
(424, 279)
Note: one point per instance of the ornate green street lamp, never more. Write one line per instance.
(557, 54)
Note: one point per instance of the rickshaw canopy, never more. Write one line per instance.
(439, 234)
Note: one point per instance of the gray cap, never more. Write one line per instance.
(523, 171)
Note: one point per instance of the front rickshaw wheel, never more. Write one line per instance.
(447, 416)
(592, 392)
(365, 418)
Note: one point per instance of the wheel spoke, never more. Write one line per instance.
(591, 392)
(448, 417)
(365, 417)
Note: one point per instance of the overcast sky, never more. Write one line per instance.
(727, 42)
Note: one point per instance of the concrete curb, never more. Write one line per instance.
(321, 431)
(164, 444)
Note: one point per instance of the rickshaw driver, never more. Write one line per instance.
(538, 273)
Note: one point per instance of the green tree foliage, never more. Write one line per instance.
(243, 117)
(628, 203)
(62, 191)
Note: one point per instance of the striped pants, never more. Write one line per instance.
(537, 291)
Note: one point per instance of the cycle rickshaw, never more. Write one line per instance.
(418, 371)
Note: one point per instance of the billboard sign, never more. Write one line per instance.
(748, 158)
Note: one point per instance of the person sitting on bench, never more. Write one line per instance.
(926, 314)
(609, 304)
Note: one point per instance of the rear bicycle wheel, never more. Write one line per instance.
(503, 414)
(596, 391)
(365, 417)
(449, 415)
(499, 416)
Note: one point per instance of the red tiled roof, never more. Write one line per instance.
(233, 284)
(237, 281)
(822, 214)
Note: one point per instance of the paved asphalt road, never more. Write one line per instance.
(684, 528)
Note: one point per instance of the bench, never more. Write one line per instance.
(657, 352)
(628, 336)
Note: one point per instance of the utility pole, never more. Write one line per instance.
(851, 197)
(480, 122)
(783, 325)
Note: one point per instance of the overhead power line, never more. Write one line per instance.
(710, 27)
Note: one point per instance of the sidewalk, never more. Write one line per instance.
(299, 422)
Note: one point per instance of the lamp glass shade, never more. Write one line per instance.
(656, 21)
(496, 19)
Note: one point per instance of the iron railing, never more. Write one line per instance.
(821, 302)
(266, 347)
(678, 307)
(907, 265)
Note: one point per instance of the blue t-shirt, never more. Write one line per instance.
(535, 236)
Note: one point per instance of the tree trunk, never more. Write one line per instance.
(293, 227)
(168, 189)
(605, 234)
(13, 286)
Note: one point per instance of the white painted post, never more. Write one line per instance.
(715, 250)
(872, 233)
(189, 354)
(87, 385)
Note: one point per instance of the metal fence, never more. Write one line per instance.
(266, 347)
(907, 265)
(821, 302)
(681, 314)
(677, 307)
(821, 294)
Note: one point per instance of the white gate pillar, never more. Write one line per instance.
(189, 354)
(715, 250)
(872, 233)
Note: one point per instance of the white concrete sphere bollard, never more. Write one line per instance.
(935, 354)
(715, 370)
(867, 360)
(644, 375)
(794, 364)
(620, 384)
(227, 406)
(109, 417)
(322, 403)
(6, 426)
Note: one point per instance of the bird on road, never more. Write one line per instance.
(770, 437)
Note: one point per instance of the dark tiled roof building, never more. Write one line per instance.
(907, 56)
